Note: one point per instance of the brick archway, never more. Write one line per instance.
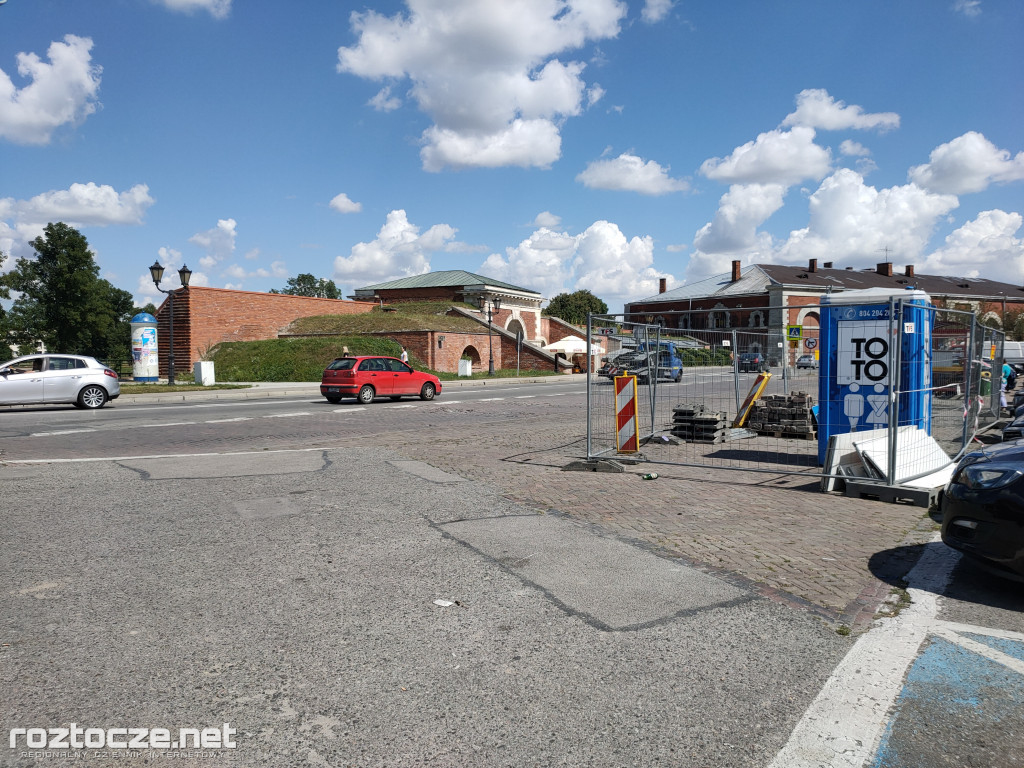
(474, 355)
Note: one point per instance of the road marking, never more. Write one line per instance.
(225, 421)
(452, 402)
(407, 405)
(62, 432)
(489, 399)
(844, 724)
(286, 415)
(953, 633)
(524, 397)
(348, 410)
(168, 424)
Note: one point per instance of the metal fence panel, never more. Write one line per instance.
(698, 373)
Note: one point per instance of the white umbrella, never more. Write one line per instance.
(572, 345)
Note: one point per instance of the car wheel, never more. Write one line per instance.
(428, 392)
(679, 377)
(92, 397)
(366, 394)
(333, 399)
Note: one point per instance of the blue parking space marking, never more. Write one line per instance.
(1012, 648)
(960, 704)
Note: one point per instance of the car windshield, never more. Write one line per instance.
(342, 364)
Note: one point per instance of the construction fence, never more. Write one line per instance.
(766, 396)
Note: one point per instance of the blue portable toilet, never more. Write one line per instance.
(855, 381)
(145, 361)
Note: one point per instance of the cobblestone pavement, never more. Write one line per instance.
(778, 533)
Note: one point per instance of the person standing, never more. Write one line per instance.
(404, 356)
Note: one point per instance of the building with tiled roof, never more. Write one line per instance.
(773, 296)
(518, 309)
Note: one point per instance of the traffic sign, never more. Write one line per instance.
(810, 343)
(794, 332)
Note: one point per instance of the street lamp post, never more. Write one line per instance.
(493, 307)
(184, 274)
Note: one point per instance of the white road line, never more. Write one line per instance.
(62, 432)
(524, 397)
(168, 424)
(225, 421)
(348, 410)
(489, 399)
(286, 415)
(844, 724)
(990, 653)
(407, 405)
(452, 402)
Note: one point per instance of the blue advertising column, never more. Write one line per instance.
(856, 380)
(145, 364)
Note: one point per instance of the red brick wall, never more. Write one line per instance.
(442, 350)
(207, 316)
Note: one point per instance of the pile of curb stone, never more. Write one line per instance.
(694, 424)
(783, 416)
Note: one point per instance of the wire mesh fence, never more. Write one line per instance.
(900, 393)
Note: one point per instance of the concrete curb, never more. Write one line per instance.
(262, 390)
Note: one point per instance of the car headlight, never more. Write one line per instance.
(979, 476)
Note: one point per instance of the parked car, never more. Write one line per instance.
(53, 378)
(752, 361)
(807, 361)
(1014, 430)
(983, 508)
(367, 377)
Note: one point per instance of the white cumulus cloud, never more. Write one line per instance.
(547, 219)
(61, 91)
(740, 212)
(342, 204)
(985, 247)
(852, 222)
(968, 163)
(630, 173)
(219, 242)
(219, 9)
(399, 250)
(487, 72)
(775, 157)
(601, 259)
(816, 109)
(656, 10)
(98, 205)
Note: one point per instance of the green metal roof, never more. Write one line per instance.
(445, 279)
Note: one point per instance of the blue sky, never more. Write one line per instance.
(555, 145)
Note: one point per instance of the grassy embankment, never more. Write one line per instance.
(303, 358)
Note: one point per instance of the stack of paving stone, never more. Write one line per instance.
(694, 424)
(783, 416)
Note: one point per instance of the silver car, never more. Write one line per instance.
(47, 378)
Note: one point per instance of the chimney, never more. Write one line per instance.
(735, 271)
(884, 269)
(812, 265)
(662, 285)
(827, 265)
(909, 272)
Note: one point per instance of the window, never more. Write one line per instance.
(342, 364)
(397, 366)
(64, 363)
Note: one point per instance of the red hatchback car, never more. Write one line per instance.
(365, 378)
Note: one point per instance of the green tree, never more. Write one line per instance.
(574, 307)
(63, 302)
(307, 285)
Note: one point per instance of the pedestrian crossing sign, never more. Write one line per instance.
(794, 332)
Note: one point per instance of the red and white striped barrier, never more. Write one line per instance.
(626, 439)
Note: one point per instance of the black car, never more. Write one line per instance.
(752, 361)
(1014, 430)
(983, 508)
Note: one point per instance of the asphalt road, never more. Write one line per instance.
(290, 568)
